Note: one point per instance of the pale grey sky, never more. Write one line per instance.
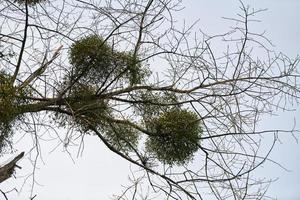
(98, 173)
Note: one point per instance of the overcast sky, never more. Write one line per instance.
(98, 173)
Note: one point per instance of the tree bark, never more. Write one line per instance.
(7, 170)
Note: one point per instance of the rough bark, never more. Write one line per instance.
(8, 169)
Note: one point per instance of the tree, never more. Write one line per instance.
(86, 67)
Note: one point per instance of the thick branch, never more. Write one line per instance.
(7, 170)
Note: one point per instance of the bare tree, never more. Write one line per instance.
(86, 66)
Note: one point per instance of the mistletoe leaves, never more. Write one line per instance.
(175, 132)
(95, 62)
(177, 136)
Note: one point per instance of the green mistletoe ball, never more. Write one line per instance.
(176, 136)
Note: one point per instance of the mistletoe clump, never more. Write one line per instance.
(177, 134)
(86, 112)
(9, 109)
(94, 61)
(154, 103)
(122, 137)
(84, 108)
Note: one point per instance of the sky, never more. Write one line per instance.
(97, 173)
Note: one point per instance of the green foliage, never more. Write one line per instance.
(8, 108)
(177, 136)
(30, 2)
(86, 109)
(89, 111)
(95, 62)
(122, 137)
(154, 103)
